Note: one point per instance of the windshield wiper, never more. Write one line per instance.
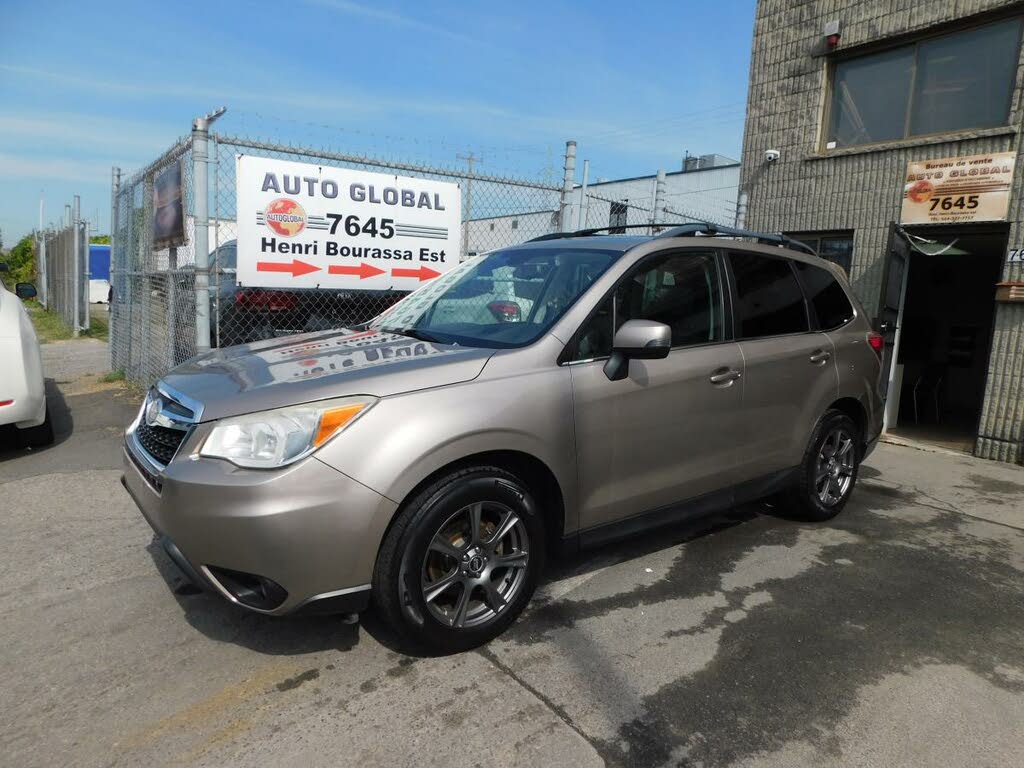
(415, 333)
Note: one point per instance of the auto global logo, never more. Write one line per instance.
(285, 216)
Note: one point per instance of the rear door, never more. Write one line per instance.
(666, 433)
(789, 370)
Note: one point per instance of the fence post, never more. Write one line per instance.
(41, 257)
(201, 231)
(114, 334)
(657, 215)
(565, 208)
(86, 277)
(76, 269)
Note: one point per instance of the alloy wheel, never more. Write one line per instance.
(475, 565)
(835, 467)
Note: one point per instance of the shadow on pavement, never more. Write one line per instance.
(220, 620)
(11, 446)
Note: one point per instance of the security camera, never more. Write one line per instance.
(771, 155)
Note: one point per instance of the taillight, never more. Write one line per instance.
(5, 402)
(877, 342)
(505, 311)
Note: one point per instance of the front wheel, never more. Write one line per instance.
(828, 473)
(461, 560)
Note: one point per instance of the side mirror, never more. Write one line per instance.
(640, 340)
(25, 291)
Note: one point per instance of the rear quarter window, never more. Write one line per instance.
(827, 297)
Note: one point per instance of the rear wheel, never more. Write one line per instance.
(461, 561)
(829, 469)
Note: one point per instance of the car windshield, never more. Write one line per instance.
(504, 299)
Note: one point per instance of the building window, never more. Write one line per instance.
(492, 226)
(617, 216)
(836, 247)
(955, 82)
(515, 223)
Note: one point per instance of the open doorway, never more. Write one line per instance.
(945, 334)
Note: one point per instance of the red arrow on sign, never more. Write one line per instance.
(296, 267)
(423, 273)
(364, 270)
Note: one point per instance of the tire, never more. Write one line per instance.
(38, 437)
(828, 472)
(440, 588)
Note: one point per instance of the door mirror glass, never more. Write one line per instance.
(25, 291)
(640, 340)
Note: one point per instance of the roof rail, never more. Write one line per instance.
(714, 230)
(585, 232)
(690, 229)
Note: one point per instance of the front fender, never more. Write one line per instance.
(406, 438)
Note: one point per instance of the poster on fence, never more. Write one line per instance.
(168, 216)
(302, 225)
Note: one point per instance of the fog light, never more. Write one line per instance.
(250, 589)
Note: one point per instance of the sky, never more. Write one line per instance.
(85, 86)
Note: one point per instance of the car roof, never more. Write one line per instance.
(624, 243)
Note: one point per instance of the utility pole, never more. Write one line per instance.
(470, 159)
(568, 180)
(201, 230)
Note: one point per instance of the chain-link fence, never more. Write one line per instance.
(163, 312)
(153, 310)
(63, 265)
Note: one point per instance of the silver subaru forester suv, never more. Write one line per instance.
(562, 393)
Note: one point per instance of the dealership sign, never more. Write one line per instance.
(954, 190)
(312, 226)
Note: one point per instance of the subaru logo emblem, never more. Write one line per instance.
(153, 411)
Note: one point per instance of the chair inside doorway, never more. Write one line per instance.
(946, 328)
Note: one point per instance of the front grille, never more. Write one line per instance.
(159, 442)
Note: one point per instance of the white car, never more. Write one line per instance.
(22, 393)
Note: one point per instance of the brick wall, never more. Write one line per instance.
(860, 188)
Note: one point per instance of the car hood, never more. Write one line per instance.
(315, 366)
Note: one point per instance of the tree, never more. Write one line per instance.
(21, 261)
(100, 240)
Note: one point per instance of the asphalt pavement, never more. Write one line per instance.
(889, 636)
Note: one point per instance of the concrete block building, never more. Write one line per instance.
(887, 133)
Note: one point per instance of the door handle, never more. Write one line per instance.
(724, 377)
(820, 356)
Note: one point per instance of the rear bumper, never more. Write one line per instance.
(308, 531)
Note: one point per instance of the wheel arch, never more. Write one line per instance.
(855, 409)
(537, 475)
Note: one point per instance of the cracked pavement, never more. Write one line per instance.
(888, 636)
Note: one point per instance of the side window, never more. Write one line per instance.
(769, 301)
(681, 290)
(826, 295)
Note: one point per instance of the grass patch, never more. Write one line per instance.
(49, 325)
(112, 376)
(99, 325)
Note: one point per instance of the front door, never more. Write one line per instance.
(667, 432)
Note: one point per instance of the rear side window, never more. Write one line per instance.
(769, 301)
(826, 295)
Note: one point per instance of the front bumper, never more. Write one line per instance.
(308, 528)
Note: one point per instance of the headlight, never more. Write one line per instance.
(271, 439)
